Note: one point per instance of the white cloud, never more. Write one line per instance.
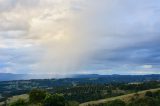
(147, 66)
(70, 32)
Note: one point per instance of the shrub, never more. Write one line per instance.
(54, 100)
(72, 103)
(115, 103)
(37, 96)
(146, 101)
(149, 94)
(19, 102)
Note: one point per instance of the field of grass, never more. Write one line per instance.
(123, 97)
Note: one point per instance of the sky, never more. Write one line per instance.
(65, 37)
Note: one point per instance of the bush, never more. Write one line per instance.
(115, 103)
(72, 103)
(149, 94)
(37, 96)
(156, 94)
(146, 101)
(54, 100)
(19, 102)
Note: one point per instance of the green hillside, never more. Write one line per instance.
(124, 98)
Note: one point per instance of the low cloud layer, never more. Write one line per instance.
(78, 36)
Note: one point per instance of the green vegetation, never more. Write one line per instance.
(71, 92)
(72, 103)
(144, 98)
(115, 103)
(54, 100)
(19, 102)
(38, 97)
(150, 99)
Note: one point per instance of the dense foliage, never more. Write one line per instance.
(38, 97)
(19, 102)
(149, 99)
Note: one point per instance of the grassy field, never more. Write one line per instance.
(123, 97)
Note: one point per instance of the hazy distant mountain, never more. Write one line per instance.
(115, 77)
(121, 78)
(10, 76)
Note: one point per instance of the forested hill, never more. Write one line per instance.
(121, 77)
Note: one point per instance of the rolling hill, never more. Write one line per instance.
(125, 98)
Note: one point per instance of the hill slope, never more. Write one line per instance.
(123, 97)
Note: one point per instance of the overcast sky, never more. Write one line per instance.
(80, 36)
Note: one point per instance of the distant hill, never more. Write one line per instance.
(114, 75)
(108, 78)
(10, 76)
(121, 78)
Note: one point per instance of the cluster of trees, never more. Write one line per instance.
(39, 97)
(150, 99)
(90, 92)
(87, 93)
(140, 86)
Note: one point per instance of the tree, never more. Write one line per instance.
(109, 91)
(37, 96)
(19, 102)
(149, 94)
(54, 100)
